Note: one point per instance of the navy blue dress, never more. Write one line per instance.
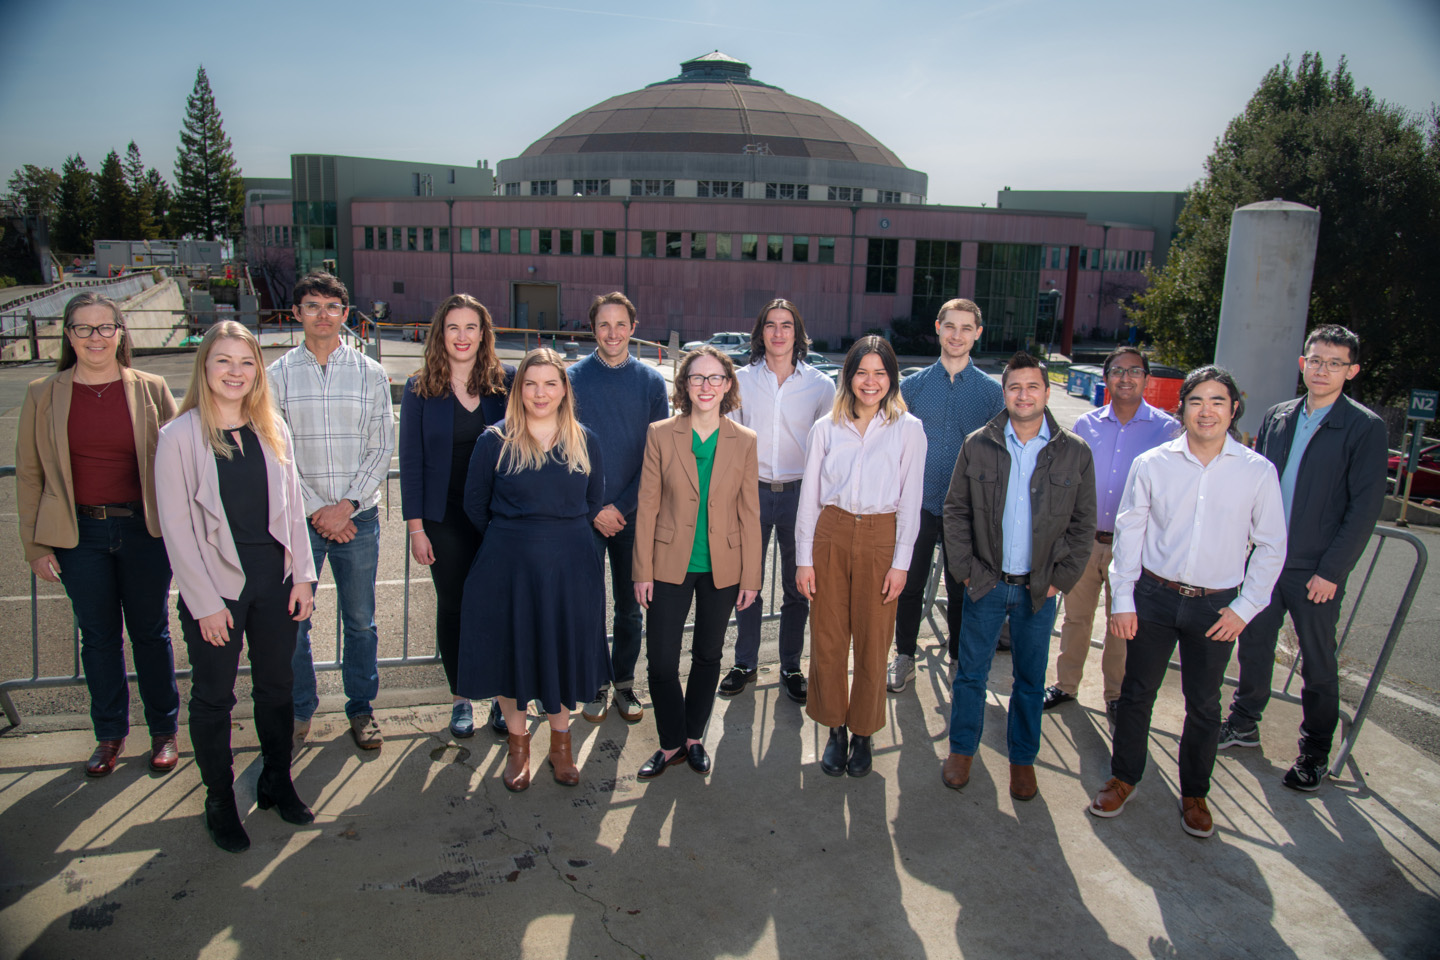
(532, 623)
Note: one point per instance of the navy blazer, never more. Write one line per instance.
(1340, 487)
(427, 439)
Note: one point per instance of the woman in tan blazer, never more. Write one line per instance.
(85, 479)
(235, 526)
(697, 536)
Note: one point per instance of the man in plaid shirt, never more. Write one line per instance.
(336, 402)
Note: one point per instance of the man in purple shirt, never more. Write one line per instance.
(1117, 433)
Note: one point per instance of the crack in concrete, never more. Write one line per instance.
(499, 825)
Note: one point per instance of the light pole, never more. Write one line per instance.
(1055, 297)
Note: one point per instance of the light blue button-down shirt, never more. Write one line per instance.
(1015, 526)
(1305, 426)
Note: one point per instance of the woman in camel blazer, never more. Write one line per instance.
(697, 536)
(85, 492)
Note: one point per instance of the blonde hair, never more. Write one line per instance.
(520, 450)
(256, 407)
(847, 405)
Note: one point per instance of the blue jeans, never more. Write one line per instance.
(777, 513)
(1029, 651)
(119, 572)
(353, 566)
(625, 648)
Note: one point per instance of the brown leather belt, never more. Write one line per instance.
(109, 510)
(1104, 536)
(1184, 589)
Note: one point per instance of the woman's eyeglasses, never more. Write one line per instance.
(85, 330)
(715, 380)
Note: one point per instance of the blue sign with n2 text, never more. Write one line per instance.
(1423, 404)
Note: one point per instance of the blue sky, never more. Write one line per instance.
(1032, 94)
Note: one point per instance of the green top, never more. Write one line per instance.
(704, 451)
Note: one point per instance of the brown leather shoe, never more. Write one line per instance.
(956, 771)
(562, 763)
(102, 761)
(517, 768)
(1195, 817)
(164, 753)
(1022, 781)
(366, 732)
(1112, 798)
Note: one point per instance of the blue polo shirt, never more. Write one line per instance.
(950, 410)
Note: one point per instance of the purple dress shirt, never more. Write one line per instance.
(1115, 447)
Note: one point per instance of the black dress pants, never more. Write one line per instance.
(455, 543)
(262, 618)
(1166, 619)
(681, 716)
(909, 612)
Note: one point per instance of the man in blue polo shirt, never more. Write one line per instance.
(953, 399)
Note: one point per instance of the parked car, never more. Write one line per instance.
(1426, 485)
(728, 343)
(821, 362)
(910, 372)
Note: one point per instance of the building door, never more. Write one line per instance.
(535, 306)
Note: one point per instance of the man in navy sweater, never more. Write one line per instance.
(618, 397)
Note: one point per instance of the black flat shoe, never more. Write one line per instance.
(698, 759)
(657, 763)
(497, 720)
(277, 790)
(836, 752)
(222, 820)
(859, 764)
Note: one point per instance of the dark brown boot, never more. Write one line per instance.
(1022, 781)
(562, 762)
(517, 768)
(956, 771)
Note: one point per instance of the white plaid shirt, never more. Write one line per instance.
(342, 421)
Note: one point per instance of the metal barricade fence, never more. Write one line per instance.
(77, 677)
(1354, 723)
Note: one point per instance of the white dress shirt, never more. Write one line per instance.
(1192, 522)
(881, 471)
(781, 414)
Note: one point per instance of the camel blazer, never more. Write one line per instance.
(45, 491)
(197, 532)
(670, 501)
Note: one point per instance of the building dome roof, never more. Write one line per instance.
(713, 107)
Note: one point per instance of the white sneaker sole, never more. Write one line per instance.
(1108, 814)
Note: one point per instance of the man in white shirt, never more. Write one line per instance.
(781, 397)
(1191, 509)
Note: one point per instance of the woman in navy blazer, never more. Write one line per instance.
(447, 404)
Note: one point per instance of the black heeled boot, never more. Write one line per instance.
(859, 764)
(836, 752)
(211, 741)
(275, 728)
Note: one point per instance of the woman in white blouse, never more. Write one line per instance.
(854, 532)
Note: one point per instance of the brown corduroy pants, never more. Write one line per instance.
(852, 555)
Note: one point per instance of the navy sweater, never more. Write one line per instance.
(618, 405)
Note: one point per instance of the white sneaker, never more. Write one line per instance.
(902, 668)
(599, 708)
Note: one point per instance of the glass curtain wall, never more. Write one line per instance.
(1007, 290)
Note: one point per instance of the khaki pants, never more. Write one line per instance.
(1080, 623)
(852, 555)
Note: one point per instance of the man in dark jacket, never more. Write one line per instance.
(1331, 455)
(1019, 520)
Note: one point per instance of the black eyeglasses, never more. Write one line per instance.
(1334, 366)
(85, 330)
(1126, 373)
(715, 380)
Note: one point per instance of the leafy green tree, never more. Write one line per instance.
(164, 201)
(209, 198)
(139, 210)
(37, 188)
(75, 213)
(1373, 171)
(112, 201)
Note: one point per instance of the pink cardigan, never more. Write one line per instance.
(192, 518)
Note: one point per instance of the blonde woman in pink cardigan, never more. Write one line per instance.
(235, 528)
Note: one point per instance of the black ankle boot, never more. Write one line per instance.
(275, 789)
(859, 764)
(222, 820)
(836, 751)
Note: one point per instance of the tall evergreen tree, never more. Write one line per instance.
(1373, 171)
(75, 214)
(112, 201)
(164, 201)
(38, 188)
(207, 203)
(139, 224)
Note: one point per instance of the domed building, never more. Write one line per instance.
(713, 132)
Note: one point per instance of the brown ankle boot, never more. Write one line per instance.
(517, 769)
(562, 762)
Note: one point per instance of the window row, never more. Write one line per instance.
(752, 246)
(277, 236)
(601, 243)
(1094, 258)
(724, 189)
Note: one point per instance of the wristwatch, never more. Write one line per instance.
(356, 505)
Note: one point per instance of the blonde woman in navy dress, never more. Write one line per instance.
(532, 621)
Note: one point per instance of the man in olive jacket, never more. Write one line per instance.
(1019, 521)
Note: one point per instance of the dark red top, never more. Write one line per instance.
(102, 446)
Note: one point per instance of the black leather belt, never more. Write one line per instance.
(778, 487)
(1104, 536)
(1184, 589)
(1016, 579)
(109, 510)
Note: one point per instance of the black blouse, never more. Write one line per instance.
(468, 427)
(245, 489)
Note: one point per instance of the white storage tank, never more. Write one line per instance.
(1263, 310)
